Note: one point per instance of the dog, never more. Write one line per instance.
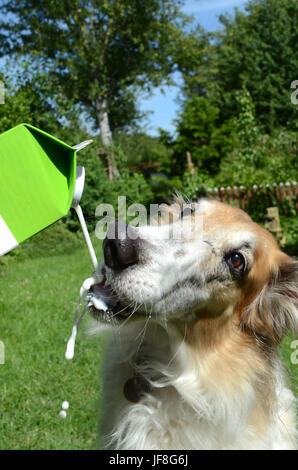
(194, 325)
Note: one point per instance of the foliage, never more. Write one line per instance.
(258, 158)
(238, 122)
(100, 51)
(143, 152)
(200, 132)
(16, 109)
(33, 97)
(53, 241)
(99, 189)
(153, 158)
(290, 231)
(255, 50)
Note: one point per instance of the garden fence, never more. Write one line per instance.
(283, 195)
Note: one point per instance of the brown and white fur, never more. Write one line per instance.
(199, 319)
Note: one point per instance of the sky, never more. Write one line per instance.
(164, 107)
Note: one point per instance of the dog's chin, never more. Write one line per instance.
(104, 304)
(113, 316)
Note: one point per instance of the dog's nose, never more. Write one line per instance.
(120, 246)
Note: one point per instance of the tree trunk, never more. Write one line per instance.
(103, 121)
(105, 130)
(190, 164)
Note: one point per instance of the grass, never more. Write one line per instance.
(37, 300)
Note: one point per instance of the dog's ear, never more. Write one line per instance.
(275, 310)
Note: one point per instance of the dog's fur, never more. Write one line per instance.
(202, 338)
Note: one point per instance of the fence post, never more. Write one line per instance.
(229, 191)
(282, 192)
(222, 194)
(283, 197)
(242, 197)
(269, 195)
(289, 193)
(216, 194)
(275, 189)
(295, 191)
(235, 190)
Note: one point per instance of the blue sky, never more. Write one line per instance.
(164, 107)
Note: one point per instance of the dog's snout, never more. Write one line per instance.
(121, 246)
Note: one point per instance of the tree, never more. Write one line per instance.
(100, 51)
(256, 50)
(30, 96)
(200, 132)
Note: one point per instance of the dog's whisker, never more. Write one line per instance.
(125, 321)
(143, 332)
(179, 347)
(145, 324)
(122, 310)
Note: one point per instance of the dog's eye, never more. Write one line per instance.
(187, 211)
(236, 262)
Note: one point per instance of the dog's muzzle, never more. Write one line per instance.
(120, 250)
(121, 246)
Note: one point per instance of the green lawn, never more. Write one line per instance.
(37, 301)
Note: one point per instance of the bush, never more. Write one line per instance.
(256, 159)
(54, 240)
(202, 134)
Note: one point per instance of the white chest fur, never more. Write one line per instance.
(181, 410)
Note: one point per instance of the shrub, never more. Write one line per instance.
(54, 240)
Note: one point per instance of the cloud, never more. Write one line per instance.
(197, 6)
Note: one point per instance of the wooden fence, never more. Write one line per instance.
(283, 195)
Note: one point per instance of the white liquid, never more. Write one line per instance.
(71, 343)
(89, 282)
(69, 353)
(98, 303)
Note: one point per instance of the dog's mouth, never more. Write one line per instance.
(104, 304)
